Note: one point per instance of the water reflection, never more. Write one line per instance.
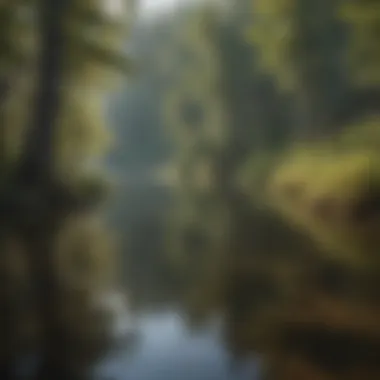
(280, 238)
(168, 349)
(288, 258)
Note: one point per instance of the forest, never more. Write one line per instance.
(225, 161)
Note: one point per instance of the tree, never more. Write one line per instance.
(37, 197)
(300, 44)
(363, 20)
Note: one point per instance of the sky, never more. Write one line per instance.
(155, 7)
(147, 8)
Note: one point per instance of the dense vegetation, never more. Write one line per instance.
(58, 60)
(271, 117)
(277, 217)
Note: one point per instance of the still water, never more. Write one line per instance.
(168, 350)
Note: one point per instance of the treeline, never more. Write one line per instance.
(276, 123)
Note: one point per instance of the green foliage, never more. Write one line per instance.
(332, 193)
(364, 135)
(253, 174)
(216, 238)
(81, 132)
(274, 31)
(17, 34)
(84, 261)
(93, 45)
(300, 46)
(266, 243)
(363, 20)
(291, 38)
(193, 107)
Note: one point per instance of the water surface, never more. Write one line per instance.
(167, 350)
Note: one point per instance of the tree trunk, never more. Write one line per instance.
(36, 180)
